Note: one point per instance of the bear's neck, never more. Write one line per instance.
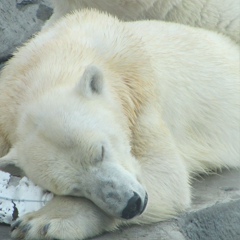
(134, 87)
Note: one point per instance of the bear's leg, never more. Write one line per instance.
(163, 171)
(64, 218)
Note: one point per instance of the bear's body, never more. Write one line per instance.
(96, 108)
(220, 16)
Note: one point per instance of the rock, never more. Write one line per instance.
(218, 222)
(19, 20)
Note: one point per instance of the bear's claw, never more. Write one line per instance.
(45, 229)
(26, 228)
(15, 225)
(19, 230)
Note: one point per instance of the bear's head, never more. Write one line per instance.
(72, 141)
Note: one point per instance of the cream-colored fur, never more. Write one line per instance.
(221, 16)
(97, 109)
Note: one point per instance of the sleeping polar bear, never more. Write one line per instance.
(221, 16)
(115, 121)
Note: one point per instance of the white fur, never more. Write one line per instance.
(162, 105)
(216, 15)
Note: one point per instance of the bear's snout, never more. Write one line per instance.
(135, 206)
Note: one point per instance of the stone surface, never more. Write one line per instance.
(4, 232)
(221, 221)
(19, 20)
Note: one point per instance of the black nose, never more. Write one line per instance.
(134, 206)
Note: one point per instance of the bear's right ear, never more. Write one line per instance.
(9, 159)
(91, 82)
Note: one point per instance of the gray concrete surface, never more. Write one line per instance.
(215, 212)
(19, 20)
(214, 215)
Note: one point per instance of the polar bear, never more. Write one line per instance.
(114, 121)
(220, 16)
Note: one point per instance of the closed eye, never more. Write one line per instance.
(100, 155)
(103, 152)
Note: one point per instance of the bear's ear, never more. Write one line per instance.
(9, 159)
(91, 82)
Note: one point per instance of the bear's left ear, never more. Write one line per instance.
(91, 82)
